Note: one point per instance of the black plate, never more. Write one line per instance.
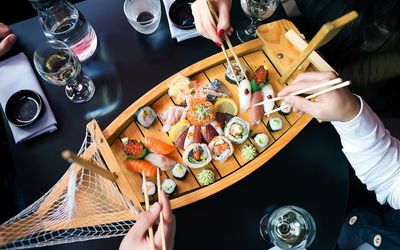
(24, 107)
(180, 14)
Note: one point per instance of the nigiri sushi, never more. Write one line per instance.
(161, 161)
(158, 146)
(256, 112)
(142, 165)
(180, 143)
(222, 119)
(171, 116)
(189, 137)
(197, 136)
(268, 93)
(244, 89)
(209, 132)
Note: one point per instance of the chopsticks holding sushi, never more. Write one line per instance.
(164, 245)
(334, 87)
(146, 200)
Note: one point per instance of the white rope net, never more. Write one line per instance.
(81, 206)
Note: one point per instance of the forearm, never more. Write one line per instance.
(373, 153)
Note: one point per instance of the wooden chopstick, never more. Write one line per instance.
(164, 245)
(302, 91)
(146, 200)
(338, 86)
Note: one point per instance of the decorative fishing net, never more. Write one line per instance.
(81, 206)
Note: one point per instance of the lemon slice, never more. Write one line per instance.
(178, 129)
(226, 105)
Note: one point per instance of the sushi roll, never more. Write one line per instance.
(268, 93)
(133, 149)
(150, 187)
(237, 130)
(285, 109)
(197, 155)
(244, 90)
(221, 148)
(274, 124)
(237, 71)
(168, 186)
(145, 116)
(206, 177)
(249, 152)
(261, 140)
(179, 171)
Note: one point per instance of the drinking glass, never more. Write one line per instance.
(143, 15)
(257, 11)
(57, 64)
(288, 227)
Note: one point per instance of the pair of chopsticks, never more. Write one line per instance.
(335, 84)
(146, 200)
(214, 20)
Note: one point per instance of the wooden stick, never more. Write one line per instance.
(164, 245)
(302, 91)
(146, 200)
(235, 55)
(70, 156)
(229, 64)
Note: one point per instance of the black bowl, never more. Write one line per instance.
(180, 14)
(24, 107)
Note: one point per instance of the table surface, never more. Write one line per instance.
(310, 172)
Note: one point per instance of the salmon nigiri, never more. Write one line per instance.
(142, 165)
(158, 146)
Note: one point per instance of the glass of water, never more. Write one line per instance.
(288, 227)
(143, 15)
(58, 64)
(257, 11)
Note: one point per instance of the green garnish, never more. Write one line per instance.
(249, 152)
(205, 177)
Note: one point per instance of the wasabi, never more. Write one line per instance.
(249, 152)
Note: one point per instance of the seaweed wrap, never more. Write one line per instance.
(274, 124)
(179, 171)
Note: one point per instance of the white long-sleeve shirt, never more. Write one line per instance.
(373, 153)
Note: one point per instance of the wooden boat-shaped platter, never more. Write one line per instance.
(272, 49)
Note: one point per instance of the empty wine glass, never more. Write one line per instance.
(257, 11)
(57, 64)
(288, 227)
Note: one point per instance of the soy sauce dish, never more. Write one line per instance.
(24, 107)
(181, 15)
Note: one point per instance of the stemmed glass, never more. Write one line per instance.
(288, 227)
(58, 64)
(257, 11)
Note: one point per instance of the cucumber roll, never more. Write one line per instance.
(274, 124)
(150, 187)
(179, 171)
(221, 148)
(168, 186)
(237, 130)
(145, 116)
(261, 139)
(285, 109)
(197, 155)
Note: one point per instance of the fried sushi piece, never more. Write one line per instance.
(197, 155)
(221, 148)
(237, 130)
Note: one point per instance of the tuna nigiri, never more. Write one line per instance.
(256, 112)
(244, 89)
(158, 146)
(142, 165)
(161, 161)
(197, 136)
(180, 143)
(209, 132)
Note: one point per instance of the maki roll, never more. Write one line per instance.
(179, 171)
(237, 71)
(249, 152)
(145, 116)
(133, 149)
(206, 177)
(274, 124)
(284, 109)
(150, 187)
(168, 186)
(237, 130)
(197, 155)
(221, 148)
(261, 140)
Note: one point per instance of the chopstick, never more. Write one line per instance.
(164, 245)
(338, 86)
(302, 91)
(146, 200)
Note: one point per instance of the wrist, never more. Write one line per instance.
(353, 108)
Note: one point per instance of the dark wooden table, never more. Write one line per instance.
(310, 172)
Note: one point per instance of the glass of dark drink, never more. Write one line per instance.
(143, 15)
(58, 64)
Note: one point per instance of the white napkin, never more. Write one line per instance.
(16, 74)
(179, 34)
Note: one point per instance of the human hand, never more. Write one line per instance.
(203, 23)
(336, 105)
(137, 237)
(7, 39)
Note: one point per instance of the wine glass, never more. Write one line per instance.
(58, 64)
(257, 11)
(288, 227)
